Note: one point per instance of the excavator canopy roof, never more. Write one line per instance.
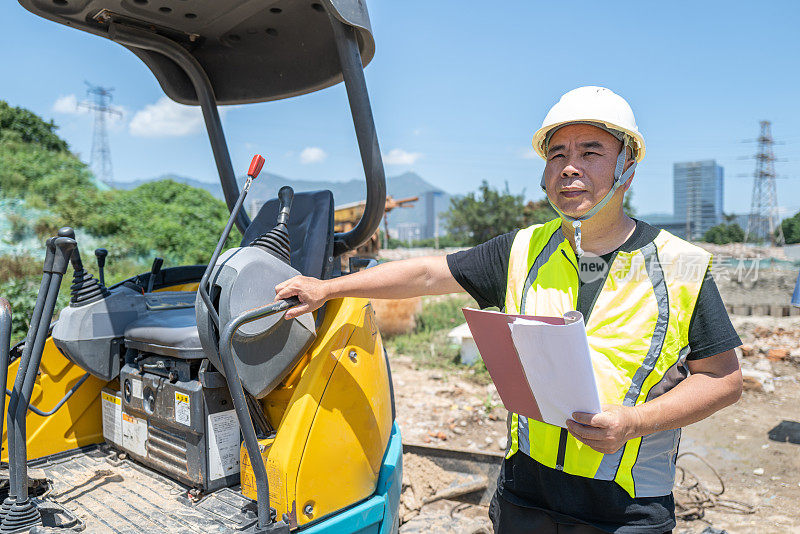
(251, 50)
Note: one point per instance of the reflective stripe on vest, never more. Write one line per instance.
(638, 336)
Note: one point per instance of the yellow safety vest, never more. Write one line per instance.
(638, 332)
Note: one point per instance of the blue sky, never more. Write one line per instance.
(458, 88)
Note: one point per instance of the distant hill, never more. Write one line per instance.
(405, 185)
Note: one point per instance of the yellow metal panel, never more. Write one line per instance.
(188, 286)
(77, 423)
(350, 431)
(277, 493)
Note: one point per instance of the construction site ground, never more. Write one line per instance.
(458, 409)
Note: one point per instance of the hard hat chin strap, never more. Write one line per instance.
(620, 178)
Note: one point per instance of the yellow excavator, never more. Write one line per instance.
(180, 400)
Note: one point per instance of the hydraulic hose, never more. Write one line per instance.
(59, 404)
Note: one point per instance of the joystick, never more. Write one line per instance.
(101, 254)
(154, 271)
(276, 241)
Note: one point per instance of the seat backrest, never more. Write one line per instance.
(310, 231)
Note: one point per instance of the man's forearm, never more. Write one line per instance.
(694, 399)
(396, 280)
(714, 383)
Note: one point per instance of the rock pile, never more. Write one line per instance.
(771, 351)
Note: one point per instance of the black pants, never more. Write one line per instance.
(508, 518)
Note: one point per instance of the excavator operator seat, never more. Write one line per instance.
(167, 332)
(170, 329)
(310, 231)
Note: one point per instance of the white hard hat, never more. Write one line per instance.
(607, 110)
(591, 104)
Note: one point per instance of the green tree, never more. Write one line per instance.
(538, 212)
(474, 219)
(176, 221)
(179, 222)
(791, 229)
(23, 125)
(724, 233)
(40, 175)
(736, 233)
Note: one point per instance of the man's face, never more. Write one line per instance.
(580, 167)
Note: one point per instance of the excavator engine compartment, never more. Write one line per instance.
(177, 427)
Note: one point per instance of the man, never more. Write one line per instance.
(653, 317)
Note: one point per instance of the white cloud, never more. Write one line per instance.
(398, 156)
(68, 104)
(312, 154)
(529, 153)
(166, 118)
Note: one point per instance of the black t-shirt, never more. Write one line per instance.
(483, 271)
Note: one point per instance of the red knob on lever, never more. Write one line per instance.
(256, 165)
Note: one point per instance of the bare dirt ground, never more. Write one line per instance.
(446, 408)
(449, 408)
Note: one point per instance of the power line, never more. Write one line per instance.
(99, 102)
(764, 221)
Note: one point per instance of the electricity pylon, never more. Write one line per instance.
(99, 102)
(763, 225)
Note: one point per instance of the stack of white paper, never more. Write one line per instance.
(558, 366)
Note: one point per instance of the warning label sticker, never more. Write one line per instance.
(136, 388)
(183, 409)
(112, 417)
(134, 434)
(223, 444)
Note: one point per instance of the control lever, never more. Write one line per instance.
(101, 254)
(255, 167)
(276, 241)
(256, 164)
(154, 270)
(22, 512)
(85, 288)
(285, 196)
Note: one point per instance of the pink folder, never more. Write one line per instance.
(492, 335)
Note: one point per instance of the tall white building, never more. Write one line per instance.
(697, 196)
